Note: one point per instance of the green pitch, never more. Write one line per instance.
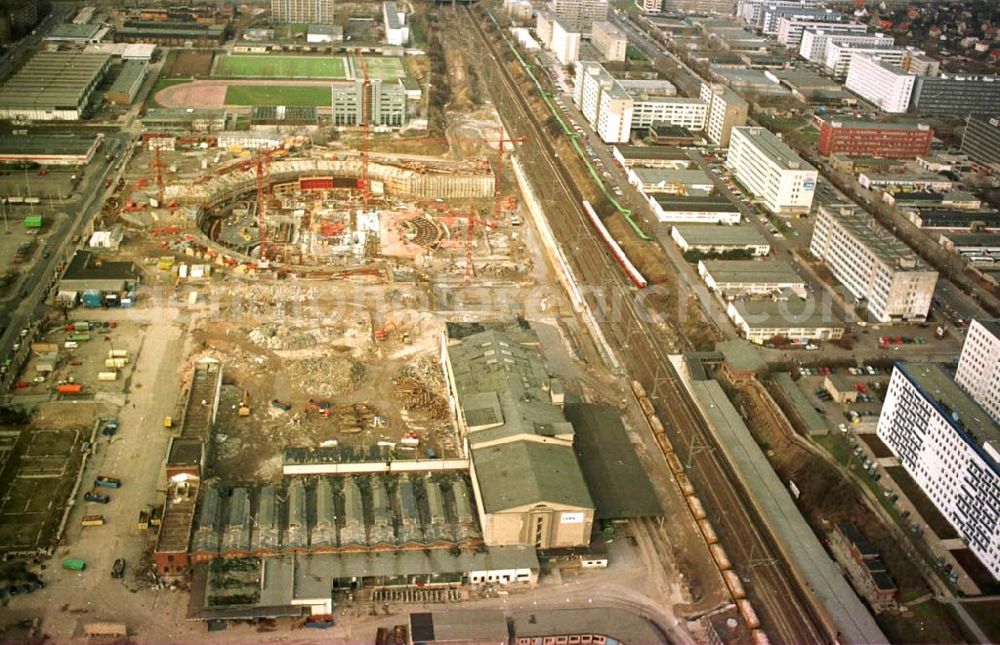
(307, 96)
(304, 67)
(387, 68)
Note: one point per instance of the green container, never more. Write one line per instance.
(74, 564)
(33, 221)
(77, 336)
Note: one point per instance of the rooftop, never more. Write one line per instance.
(466, 626)
(959, 409)
(391, 15)
(701, 234)
(776, 150)
(794, 312)
(84, 266)
(651, 152)
(813, 420)
(327, 30)
(867, 232)
(858, 124)
(521, 473)
(973, 240)
(618, 624)
(53, 80)
(665, 177)
(71, 31)
(42, 144)
(131, 72)
(741, 356)
(750, 271)
(699, 203)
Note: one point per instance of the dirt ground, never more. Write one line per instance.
(189, 64)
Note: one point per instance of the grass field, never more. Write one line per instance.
(387, 68)
(299, 67)
(308, 96)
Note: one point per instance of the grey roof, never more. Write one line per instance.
(650, 177)
(468, 626)
(704, 234)
(750, 271)
(651, 152)
(71, 31)
(794, 312)
(131, 72)
(329, 30)
(53, 79)
(814, 421)
(860, 124)
(699, 203)
(616, 478)
(619, 624)
(808, 556)
(863, 227)
(741, 355)
(83, 267)
(776, 150)
(44, 144)
(512, 475)
(991, 325)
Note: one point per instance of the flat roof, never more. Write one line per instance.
(794, 312)
(666, 176)
(705, 204)
(131, 72)
(805, 78)
(53, 80)
(957, 407)
(615, 477)
(468, 626)
(72, 31)
(82, 267)
(651, 152)
(741, 355)
(859, 124)
(700, 234)
(752, 271)
(773, 148)
(619, 624)
(863, 227)
(797, 399)
(48, 144)
(608, 28)
(984, 240)
(329, 30)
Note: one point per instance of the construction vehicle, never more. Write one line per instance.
(320, 407)
(244, 409)
(281, 405)
(383, 332)
(168, 422)
(94, 496)
(108, 482)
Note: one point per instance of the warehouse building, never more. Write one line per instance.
(651, 157)
(950, 446)
(50, 150)
(879, 270)
(53, 86)
(725, 110)
(386, 102)
(126, 87)
(796, 319)
(881, 83)
(770, 170)
(875, 139)
(694, 209)
(958, 95)
(174, 34)
(720, 239)
(689, 181)
(609, 40)
(978, 370)
(77, 34)
(981, 142)
(735, 278)
(124, 51)
(955, 219)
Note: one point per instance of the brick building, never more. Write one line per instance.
(874, 139)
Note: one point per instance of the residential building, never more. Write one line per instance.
(396, 30)
(558, 36)
(580, 14)
(840, 53)
(714, 240)
(771, 171)
(321, 11)
(773, 13)
(918, 63)
(790, 28)
(979, 365)
(649, 108)
(720, 7)
(981, 142)
(875, 139)
(882, 84)
(53, 86)
(957, 95)
(752, 11)
(950, 447)
(609, 40)
(387, 103)
(795, 319)
(878, 269)
(735, 278)
(725, 110)
(815, 41)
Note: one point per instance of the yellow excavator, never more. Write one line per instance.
(244, 409)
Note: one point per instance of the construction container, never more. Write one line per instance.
(81, 325)
(105, 630)
(69, 388)
(92, 299)
(696, 508)
(117, 353)
(33, 221)
(78, 336)
(708, 531)
(107, 376)
(74, 564)
(143, 524)
(115, 363)
(734, 584)
(165, 263)
(92, 520)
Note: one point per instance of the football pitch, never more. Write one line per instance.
(298, 67)
(305, 96)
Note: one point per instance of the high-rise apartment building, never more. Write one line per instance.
(979, 365)
(840, 54)
(791, 28)
(814, 41)
(580, 14)
(879, 270)
(725, 110)
(302, 11)
(918, 63)
(981, 141)
(957, 95)
(771, 170)
(884, 85)
(609, 40)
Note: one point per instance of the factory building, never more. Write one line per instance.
(609, 40)
(74, 34)
(881, 83)
(694, 209)
(387, 103)
(874, 139)
(50, 150)
(396, 30)
(580, 14)
(126, 87)
(815, 41)
(879, 270)
(770, 170)
(840, 53)
(979, 365)
(319, 11)
(725, 110)
(981, 142)
(528, 485)
(951, 448)
(53, 86)
(720, 239)
(958, 95)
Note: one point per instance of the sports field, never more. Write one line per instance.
(308, 96)
(387, 68)
(300, 67)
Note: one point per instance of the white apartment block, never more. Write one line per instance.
(614, 115)
(609, 40)
(979, 365)
(725, 110)
(321, 11)
(544, 22)
(770, 170)
(649, 6)
(396, 31)
(814, 41)
(676, 110)
(951, 448)
(580, 14)
(790, 28)
(839, 55)
(773, 13)
(558, 36)
(885, 86)
(878, 269)
(917, 62)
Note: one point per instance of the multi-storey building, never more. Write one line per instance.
(648, 109)
(387, 103)
(874, 139)
(790, 28)
(558, 36)
(752, 11)
(879, 270)
(302, 11)
(609, 40)
(725, 110)
(957, 95)
(951, 448)
(886, 86)
(979, 365)
(918, 63)
(650, 6)
(815, 41)
(722, 7)
(774, 12)
(840, 53)
(771, 170)
(981, 142)
(396, 31)
(580, 14)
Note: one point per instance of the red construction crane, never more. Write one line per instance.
(499, 171)
(364, 182)
(158, 165)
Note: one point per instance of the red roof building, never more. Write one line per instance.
(874, 139)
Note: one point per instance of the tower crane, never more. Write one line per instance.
(364, 180)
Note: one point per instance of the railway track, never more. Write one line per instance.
(786, 613)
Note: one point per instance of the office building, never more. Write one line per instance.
(958, 95)
(979, 365)
(579, 15)
(815, 41)
(879, 270)
(725, 110)
(387, 103)
(884, 85)
(790, 28)
(649, 107)
(396, 31)
(720, 7)
(609, 40)
(981, 142)
(874, 139)
(752, 11)
(770, 170)
(918, 63)
(53, 86)
(840, 53)
(321, 11)
(950, 447)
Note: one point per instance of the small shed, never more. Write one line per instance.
(840, 388)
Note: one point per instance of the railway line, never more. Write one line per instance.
(786, 614)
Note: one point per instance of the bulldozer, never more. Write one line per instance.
(244, 409)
